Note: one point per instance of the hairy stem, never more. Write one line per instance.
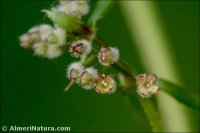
(148, 108)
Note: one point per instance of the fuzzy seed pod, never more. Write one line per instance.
(108, 56)
(105, 84)
(87, 77)
(146, 85)
(81, 47)
(74, 70)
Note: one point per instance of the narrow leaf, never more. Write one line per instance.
(145, 109)
(67, 22)
(184, 96)
(101, 8)
(152, 115)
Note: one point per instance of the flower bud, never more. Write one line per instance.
(75, 7)
(108, 56)
(105, 84)
(146, 85)
(87, 77)
(74, 70)
(81, 47)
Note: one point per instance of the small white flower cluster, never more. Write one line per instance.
(77, 8)
(106, 56)
(89, 78)
(50, 42)
(45, 40)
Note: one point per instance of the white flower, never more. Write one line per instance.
(74, 70)
(72, 7)
(61, 36)
(81, 47)
(45, 40)
(34, 34)
(45, 31)
(34, 29)
(25, 41)
(146, 84)
(53, 51)
(49, 51)
(40, 49)
(51, 34)
(108, 56)
(87, 78)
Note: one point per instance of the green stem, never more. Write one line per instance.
(69, 86)
(126, 68)
(150, 111)
(100, 41)
(152, 115)
(91, 58)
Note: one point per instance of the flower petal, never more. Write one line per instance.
(153, 89)
(141, 80)
(151, 78)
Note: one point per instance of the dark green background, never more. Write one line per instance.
(32, 88)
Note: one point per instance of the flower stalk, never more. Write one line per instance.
(81, 40)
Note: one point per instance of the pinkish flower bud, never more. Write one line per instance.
(81, 47)
(108, 56)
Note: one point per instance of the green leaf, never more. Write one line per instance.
(101, 8)
(67, 22)
(185, 96)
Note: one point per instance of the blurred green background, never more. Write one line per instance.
(32, 88)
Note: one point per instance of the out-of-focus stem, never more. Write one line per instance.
(152, 114)
(147, 32)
